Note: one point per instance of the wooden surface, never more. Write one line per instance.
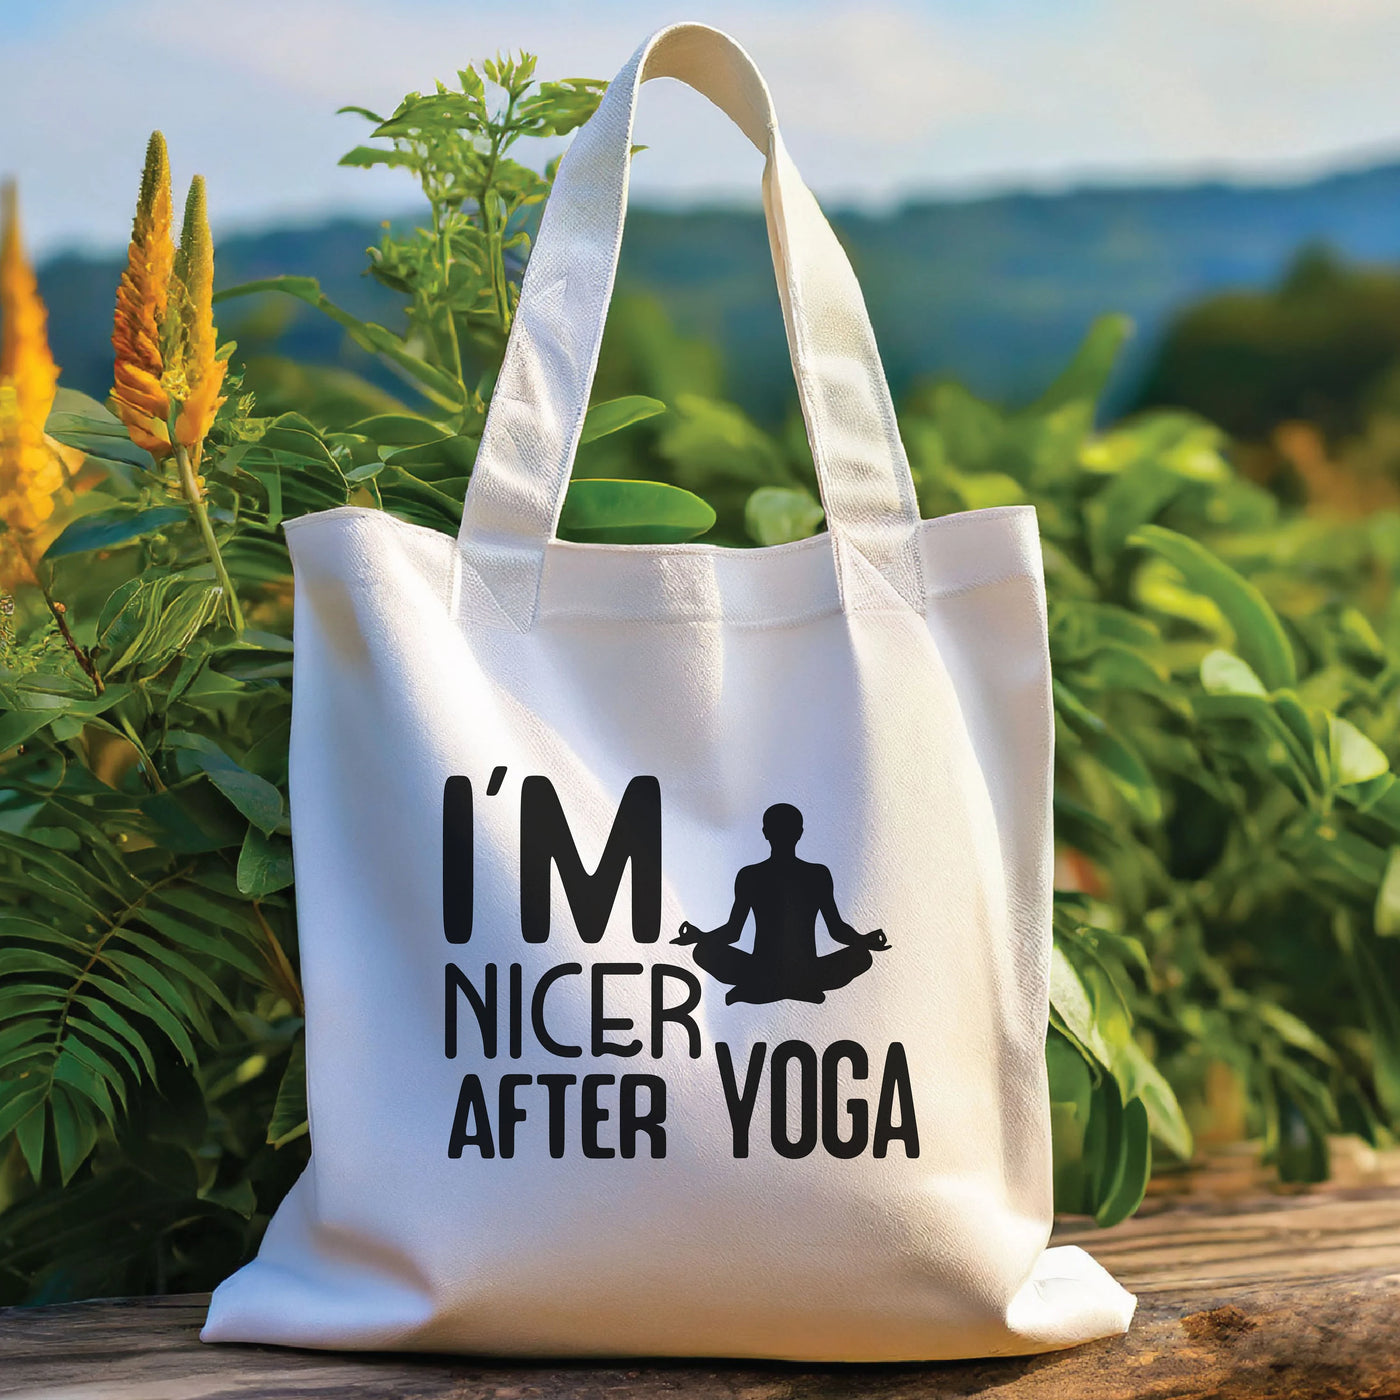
(1243, 1292)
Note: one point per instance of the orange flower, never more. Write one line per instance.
(30, 471)
(139, 398)
(199, 367)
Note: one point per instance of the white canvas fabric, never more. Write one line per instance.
(674, 920)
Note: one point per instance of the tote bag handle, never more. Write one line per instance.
(532, 431)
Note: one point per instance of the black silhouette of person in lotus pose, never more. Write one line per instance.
(784, 894)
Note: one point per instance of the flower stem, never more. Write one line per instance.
(190, 487)
(495, 233)
(442, 226)
(82, 658)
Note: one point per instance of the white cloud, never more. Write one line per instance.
(876, 98)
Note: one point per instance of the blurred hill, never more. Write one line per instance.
(993, 291)
(1321, 346)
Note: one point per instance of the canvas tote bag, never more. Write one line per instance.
(674, 920)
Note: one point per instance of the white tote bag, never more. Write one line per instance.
(674, 920)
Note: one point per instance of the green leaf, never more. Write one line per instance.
(1380, 1010)
(1087, 373)
(1304, 1119)
(1127, 772)
(30, 1133)
(1295, 1032)
(632, 512)
(16, 1036)
(1387, 914)
(155, 953)
(1149, 1086)
(18, 725)
(173, 993)
(139, 999)
(289, 1114)
(1071, 1098)
(445, 457)
(264, 864)
(119, 1026)
(238, 1196)
(398, 430)
(255, 797)
(615, 414)
(983, 490)
(782, 514)
(711, 442)
(102, 1078)
(75, 1132)
(106, 529)
(1291, 761)
(1071, 1002)
(146, 625)
(364, 157)
(1103, 1144)
(116, 450)
(1296, 721)
(16, 1101)
(1259, 636)
(1134, 1167)
(75, 1071)
(14, 960)
(80, 1029)
(193, 610)
(1355, 759)
(440, 387)
(1131, 499)
(217, 938)
(74, 404)
(1223, 673)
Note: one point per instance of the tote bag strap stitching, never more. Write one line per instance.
(506, 544)
(905, 565)
(532, 432)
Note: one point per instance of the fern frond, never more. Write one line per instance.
(96, 972)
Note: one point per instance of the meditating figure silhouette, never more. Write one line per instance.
(784, 894)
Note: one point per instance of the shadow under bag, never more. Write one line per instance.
(674, 920)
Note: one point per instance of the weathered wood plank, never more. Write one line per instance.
(1236, 1170)
(1280, 1297)
(1278, 1239)
(1268, 1341)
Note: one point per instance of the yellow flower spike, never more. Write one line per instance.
(30, 472)
(139, 398)
(194, 371)
(203, 371)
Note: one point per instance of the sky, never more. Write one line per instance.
(879, 100)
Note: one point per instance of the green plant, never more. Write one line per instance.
(152, 1105)
(1225, 679)
(1224, 699)
(457, 275)
(1314, 348)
